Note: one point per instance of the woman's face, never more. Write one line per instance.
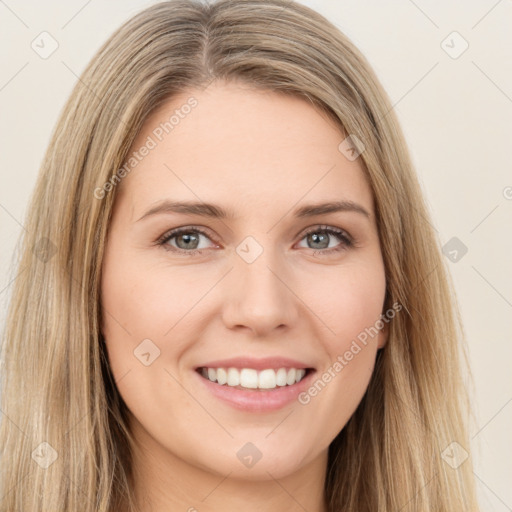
(273, 283)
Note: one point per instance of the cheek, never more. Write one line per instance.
(349, 301)
(358, 309)
(146, 300)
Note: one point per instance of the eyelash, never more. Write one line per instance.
(347, 241)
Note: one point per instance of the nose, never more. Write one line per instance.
(258, 296)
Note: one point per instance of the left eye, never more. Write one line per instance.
(187, 240)
(325, 232)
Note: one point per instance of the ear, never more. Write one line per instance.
(382, 337)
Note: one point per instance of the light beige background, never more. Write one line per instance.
(456, 114)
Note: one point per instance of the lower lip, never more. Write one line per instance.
(257, 400)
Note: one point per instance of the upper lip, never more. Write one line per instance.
(257, 364)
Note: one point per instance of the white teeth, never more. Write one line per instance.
(267, 379)
(222, 376)
(252, 379)
(248, 377)
(281, 377)
(233, 377)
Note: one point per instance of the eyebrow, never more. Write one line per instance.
(215, 211)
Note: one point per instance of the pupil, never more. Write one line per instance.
(316, 238)
(188, 238)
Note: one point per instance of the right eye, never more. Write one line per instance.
(188, 238)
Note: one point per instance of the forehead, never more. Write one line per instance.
(239, 146)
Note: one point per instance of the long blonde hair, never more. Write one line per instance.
(57, 387)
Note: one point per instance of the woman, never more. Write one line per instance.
(179, 340)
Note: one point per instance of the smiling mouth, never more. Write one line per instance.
(248, 379)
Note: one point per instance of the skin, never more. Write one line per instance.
(261, 155)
